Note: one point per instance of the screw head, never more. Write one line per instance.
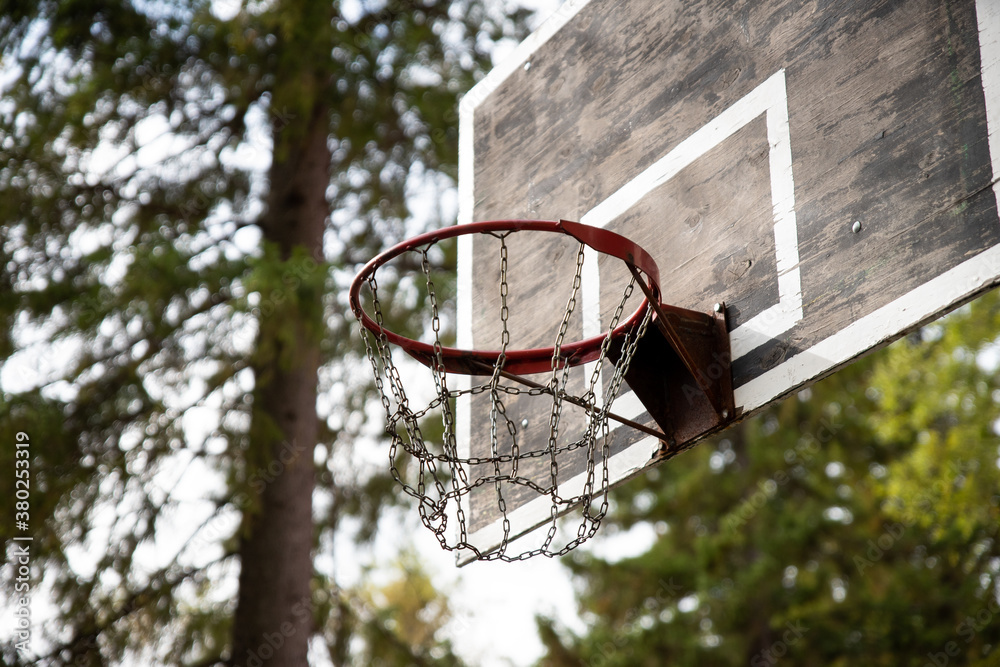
(856, 227)
(725, 414)
(717, 307)
(524, 423)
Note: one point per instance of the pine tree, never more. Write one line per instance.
(183, 189)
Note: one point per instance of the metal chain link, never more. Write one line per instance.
(497, 407)
(458, 474)
(445, 480)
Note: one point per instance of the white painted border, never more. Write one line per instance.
(922, 303)
(881, 326)
(877, 328)
(519, 58)
(988, 16)
(770, 99)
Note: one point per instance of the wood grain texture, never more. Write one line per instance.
(887, 125)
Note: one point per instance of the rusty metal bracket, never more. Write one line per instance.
(682, 372)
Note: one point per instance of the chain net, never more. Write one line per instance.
(447, 474)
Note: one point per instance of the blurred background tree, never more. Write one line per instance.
(185, 189)
(854, 524)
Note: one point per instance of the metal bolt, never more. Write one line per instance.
(527, 66)
(717, 307)
(524, 423)
(856, 227)
(725, 414)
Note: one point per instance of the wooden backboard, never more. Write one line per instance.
(825, 169)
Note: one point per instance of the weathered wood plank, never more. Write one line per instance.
(887, 123)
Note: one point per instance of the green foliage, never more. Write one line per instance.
(287, 290)
(853, 524)
(409, 614)
(134, 139)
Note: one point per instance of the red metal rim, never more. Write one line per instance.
(526, 361)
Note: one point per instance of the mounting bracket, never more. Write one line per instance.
(682, 373)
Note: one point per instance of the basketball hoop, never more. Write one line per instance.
(445, 478)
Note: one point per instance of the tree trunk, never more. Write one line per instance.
(274, 620)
